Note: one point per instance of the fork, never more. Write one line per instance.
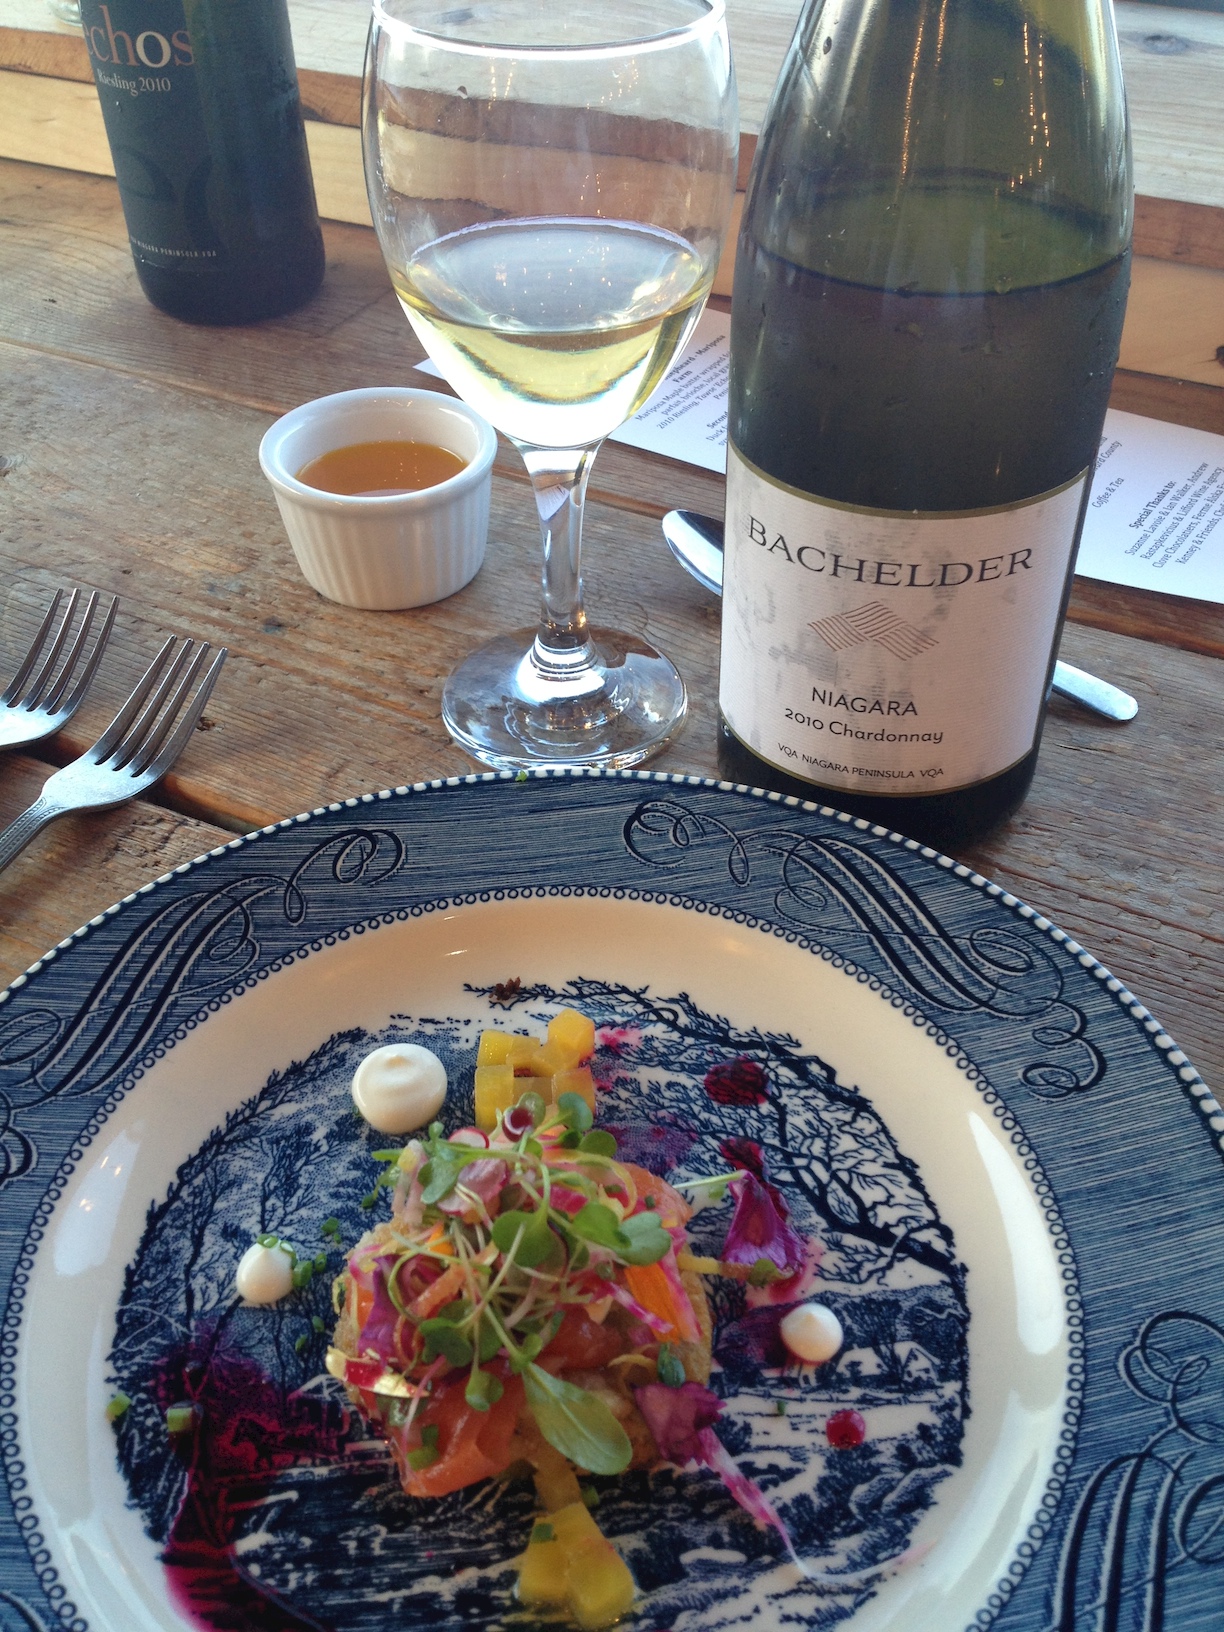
(137, 747)
(36, 702)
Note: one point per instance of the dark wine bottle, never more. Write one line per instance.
(929, 290)
(200, 100)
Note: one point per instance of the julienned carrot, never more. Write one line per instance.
(441, 1291)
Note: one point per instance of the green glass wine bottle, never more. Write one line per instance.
(929, 292)
(200, 100)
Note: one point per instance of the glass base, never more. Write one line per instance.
(508, 711)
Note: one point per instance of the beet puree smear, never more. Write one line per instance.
(245, 1432)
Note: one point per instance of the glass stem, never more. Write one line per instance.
(563, 655)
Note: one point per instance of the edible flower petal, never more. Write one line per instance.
(682, 1422)
(676, 1418)
(740, 1082)
(378, 1330)
(654, 1324)
(485, 1179)
(747, 1493)
(759, 1230)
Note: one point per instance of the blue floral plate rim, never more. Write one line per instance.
(1148, 1033)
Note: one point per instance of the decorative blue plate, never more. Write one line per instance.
(1009, 1174)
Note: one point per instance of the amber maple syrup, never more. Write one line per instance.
(380, 469)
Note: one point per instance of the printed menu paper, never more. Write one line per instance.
(686, 418)
(1156, 516)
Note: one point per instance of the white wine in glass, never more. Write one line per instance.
(551, 194)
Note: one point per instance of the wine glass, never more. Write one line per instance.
(551, 184)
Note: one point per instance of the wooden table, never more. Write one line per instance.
(128, 462)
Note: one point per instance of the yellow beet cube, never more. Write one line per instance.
(520, 1052)
(548, 1059)
(574, 1523)
(496, 1090)
(574, 1033)
(543, 1578)
(555, 1481)
(578, 1081)
(601, 1588)
(494, 1047)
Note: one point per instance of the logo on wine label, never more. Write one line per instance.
(147, 48)
(873, 622)
(967, 665)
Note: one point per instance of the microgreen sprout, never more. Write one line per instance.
(487, 1247)
(712, 1188)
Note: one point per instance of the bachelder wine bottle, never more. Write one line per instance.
(200, 100)
(929, 291)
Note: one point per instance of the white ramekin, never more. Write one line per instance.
(407, 549)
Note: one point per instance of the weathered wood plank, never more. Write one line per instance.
(1122, 839)
(131, 465)
(155, 492)
(1173, 60)
(72, 290)
(78, 866)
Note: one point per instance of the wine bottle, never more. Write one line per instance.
(929, 290)
(201, 106)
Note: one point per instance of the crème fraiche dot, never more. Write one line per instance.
(812, 1333)
(399, 1087)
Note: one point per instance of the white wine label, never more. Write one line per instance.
(889, 653)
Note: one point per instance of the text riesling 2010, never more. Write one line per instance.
(200, 100)
(929, 293)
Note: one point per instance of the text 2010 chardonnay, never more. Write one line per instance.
(929, 292)
(200, 100)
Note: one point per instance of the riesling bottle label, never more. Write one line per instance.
(889, 652)
(144, 65)
(202, 113)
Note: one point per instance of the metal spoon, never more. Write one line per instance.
(696, 541)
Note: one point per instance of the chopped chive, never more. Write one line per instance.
(116, 1406)
(317, 1322)
(330, 1227)
(300, 1346)
(179, 1419)
(424, 1457)
(670, 1367)
(650, 1202)
(779, 1408)
(386, 1155)
(542, 1531)
(320, 1262)
(268, 1240)
(429, 1435)
(303, 1274)
(368, 1201)
(590, 1496)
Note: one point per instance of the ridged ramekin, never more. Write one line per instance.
(405, 549)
